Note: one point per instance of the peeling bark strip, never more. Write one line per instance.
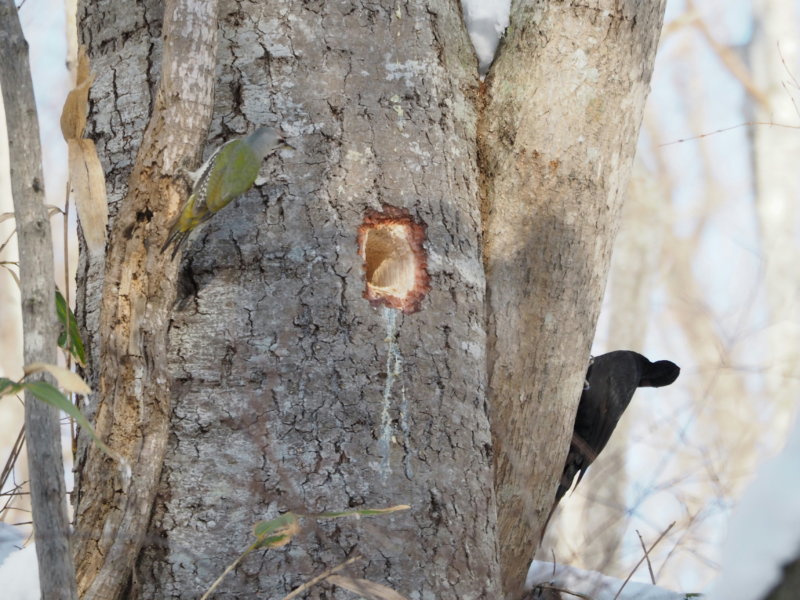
(558, 139)
(133, 413)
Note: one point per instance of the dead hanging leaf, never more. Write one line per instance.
(66, 379)
(366, 588)
(76, 106)
(89, 187)
(85, 173)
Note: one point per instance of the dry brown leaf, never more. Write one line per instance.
(76, 106)
(368, 589)
(85, 173)
(66, 379)
(88, 183)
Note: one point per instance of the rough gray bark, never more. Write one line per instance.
(37, 290)
(291, 391)
(558, 142)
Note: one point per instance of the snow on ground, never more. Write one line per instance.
(764, 529)
(19, 575)
(11, 540)
(486, 21)
(763, 535)
(594, 585)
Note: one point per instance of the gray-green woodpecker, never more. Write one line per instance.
(227, 174)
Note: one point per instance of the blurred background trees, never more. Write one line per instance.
(704, 274)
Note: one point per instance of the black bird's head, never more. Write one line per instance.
(659, 374)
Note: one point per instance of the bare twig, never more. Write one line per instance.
(647, 557)
(12, 495)
(8, 239)
(627, 579)
(315, 580)
(793, 78)
(785, 66)
(544, 586)
(731, 128)
(8, 468)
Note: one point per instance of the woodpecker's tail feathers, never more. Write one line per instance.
(176, 237)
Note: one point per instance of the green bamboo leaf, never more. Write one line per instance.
(50, 394)
(273, 541)
(276, 532)
(366, 512)
(69, 329)
(9, 387)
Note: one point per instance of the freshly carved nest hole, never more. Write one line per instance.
(390, 242)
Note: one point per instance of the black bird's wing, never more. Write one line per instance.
(613, 378)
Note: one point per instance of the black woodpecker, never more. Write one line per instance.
(610, 383)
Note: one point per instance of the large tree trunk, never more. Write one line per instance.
(291, 390)
(565, 104)
(302, 394)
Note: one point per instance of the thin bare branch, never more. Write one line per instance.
(627, 579)
(730, 59)
(315, 580)
(647, 557)
(731, 128)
